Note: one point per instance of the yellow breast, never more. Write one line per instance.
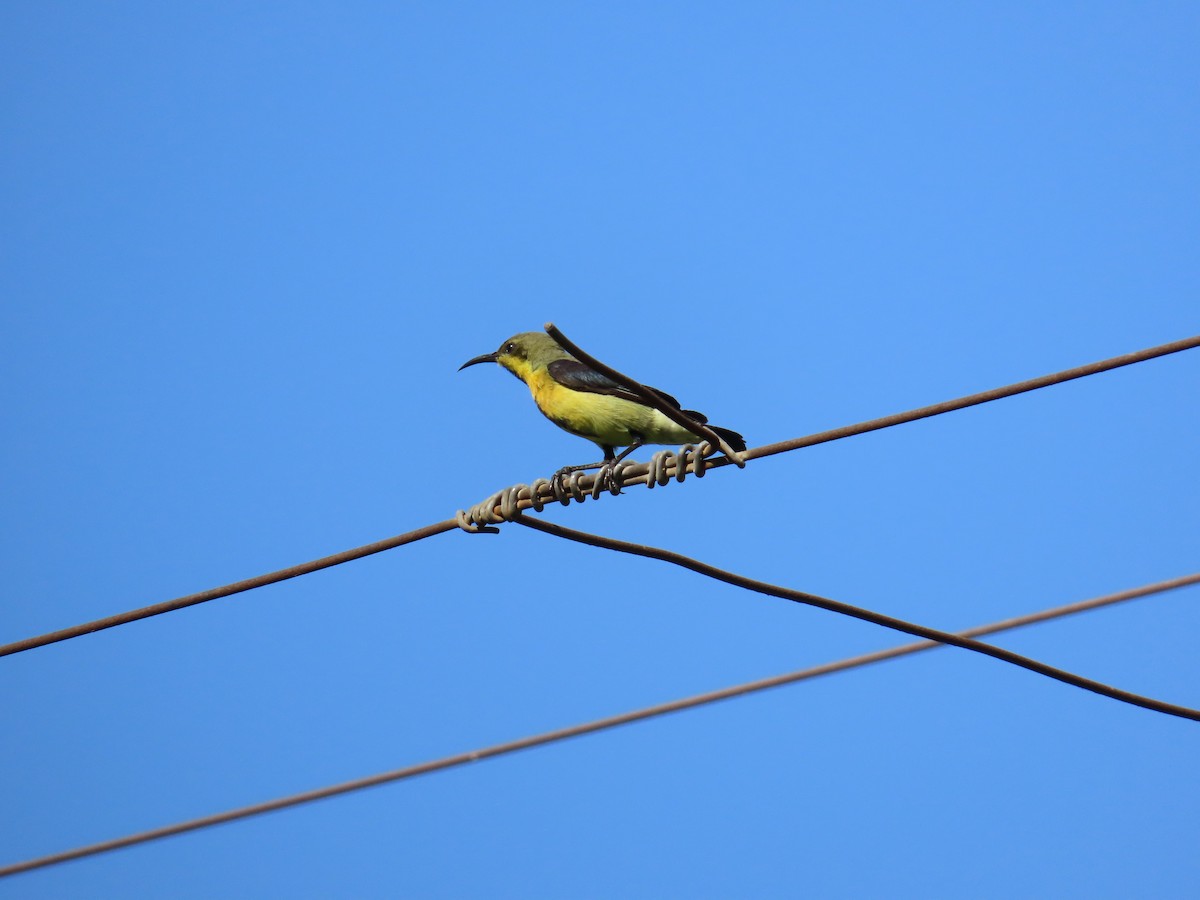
(607, 420)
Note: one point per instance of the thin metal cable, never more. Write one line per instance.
(236, 588)
(501, 506)
(866, 615)
(637, 473)
(633, 474)
(937, 409)
(562, 734)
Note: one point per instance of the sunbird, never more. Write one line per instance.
(580, 400)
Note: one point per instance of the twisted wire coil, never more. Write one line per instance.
(506, 504)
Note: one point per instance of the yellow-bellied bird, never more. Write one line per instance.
(584, 402)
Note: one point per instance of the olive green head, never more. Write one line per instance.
(523, 353)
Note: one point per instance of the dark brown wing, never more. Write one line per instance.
(578, 377)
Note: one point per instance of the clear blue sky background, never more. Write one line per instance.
(246, 246)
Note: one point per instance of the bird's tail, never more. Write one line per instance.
(731, 437)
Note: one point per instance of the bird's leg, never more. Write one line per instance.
(637, 442)
(558, 479)
(567, 470)
(608, 468)
(608, 471)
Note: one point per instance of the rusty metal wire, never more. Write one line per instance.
(227, 590)
(562, 734)
(938, 409)
(866, 615)
(635, 473)
(504, 505)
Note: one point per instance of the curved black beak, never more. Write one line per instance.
(487, 357)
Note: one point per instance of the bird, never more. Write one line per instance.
(578, 399)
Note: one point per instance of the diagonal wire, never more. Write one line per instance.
(639, 473)
(447, 525)
(227, 590)
(866, 615)
(938, 409)
(562, 734)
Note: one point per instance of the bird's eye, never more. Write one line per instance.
(510, 347)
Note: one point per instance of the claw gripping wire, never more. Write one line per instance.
(505, 505)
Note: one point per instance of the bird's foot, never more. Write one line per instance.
(608, 478)
(565, 483)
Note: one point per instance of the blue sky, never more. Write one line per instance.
(245, 248)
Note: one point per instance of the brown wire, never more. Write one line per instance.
(866, 615)
(236, 588)
(561, 734)
(755, 453)
(637, 473)
(937, 409)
